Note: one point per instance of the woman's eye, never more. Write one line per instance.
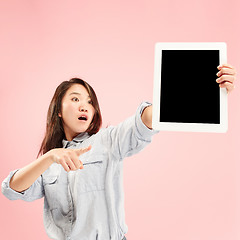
(90, 102)
(75, 99)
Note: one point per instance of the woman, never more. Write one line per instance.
(84, 199)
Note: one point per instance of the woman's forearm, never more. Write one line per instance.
(147, 116)
(68, 158)
(27, 175)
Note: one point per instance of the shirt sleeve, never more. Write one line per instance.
(130, 136)
(35, 191)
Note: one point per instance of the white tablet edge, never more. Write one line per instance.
(188, 127)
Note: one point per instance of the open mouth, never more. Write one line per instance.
(83, 118)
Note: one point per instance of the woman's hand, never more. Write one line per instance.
(226, 76)
(68, 158)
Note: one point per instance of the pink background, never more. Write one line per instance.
(183, 186)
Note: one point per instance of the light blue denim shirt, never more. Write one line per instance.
(88, 204)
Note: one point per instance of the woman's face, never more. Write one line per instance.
(77, 111)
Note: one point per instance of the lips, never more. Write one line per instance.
(83, 117)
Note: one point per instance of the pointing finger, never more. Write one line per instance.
(82, 150)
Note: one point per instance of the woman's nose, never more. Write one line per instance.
(83, 109)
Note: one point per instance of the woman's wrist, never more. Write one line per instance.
(147, 116)
(49, 157)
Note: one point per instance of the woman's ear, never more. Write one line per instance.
(59, 114)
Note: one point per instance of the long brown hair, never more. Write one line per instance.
(54, 127)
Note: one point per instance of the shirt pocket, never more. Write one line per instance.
(50, 180)
(50, 189)
(92, 176)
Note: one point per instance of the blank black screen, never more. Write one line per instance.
(189, 91)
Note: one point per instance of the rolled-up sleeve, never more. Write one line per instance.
(130, 136)
(35, 191)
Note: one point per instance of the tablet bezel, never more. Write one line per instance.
(188, 127)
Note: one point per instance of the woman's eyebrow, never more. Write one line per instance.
(77, 94)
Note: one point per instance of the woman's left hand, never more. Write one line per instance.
(226, 76)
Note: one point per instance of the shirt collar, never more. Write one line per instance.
(79, 138)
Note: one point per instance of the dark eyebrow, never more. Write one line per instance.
(77, 94)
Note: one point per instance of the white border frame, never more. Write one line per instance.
(188, 127)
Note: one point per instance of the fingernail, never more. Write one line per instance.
(220, 66)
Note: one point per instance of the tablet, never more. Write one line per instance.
(186, 96)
